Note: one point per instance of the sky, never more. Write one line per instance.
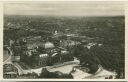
(64, 8)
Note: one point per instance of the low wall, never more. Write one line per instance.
(38, 71)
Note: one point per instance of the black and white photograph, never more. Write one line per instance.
(63, 40)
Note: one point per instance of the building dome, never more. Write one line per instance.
(49, 45)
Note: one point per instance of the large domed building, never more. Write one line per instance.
(49, 45)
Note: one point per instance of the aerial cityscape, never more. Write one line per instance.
(63, 47)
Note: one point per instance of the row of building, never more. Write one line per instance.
(41, 53)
